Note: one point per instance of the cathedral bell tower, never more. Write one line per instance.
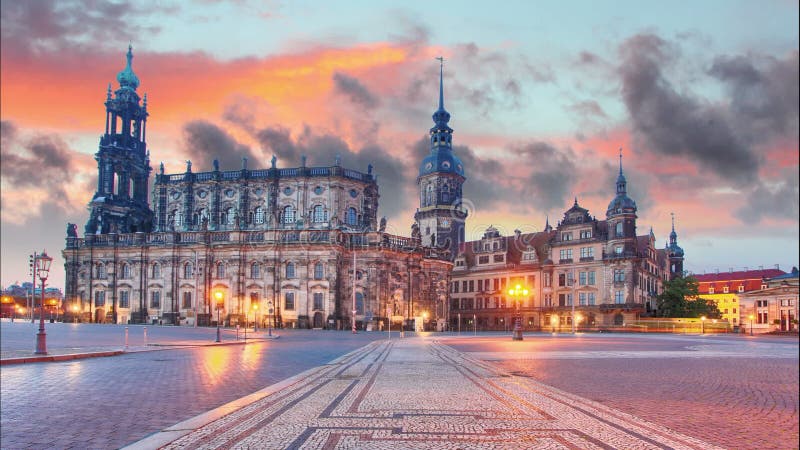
(441, 216)
(123, 162)
(675, 254)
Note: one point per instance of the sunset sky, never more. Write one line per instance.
(701, 96)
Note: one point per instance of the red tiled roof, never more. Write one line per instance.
(751, 280)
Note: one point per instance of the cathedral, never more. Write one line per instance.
(287, 247)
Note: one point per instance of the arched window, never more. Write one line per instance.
(231, 216)
(220, 270)
(188, 270)
(126, 271)
(290, 273)
(176, 219)
(619, 229)
(359, 303)
(155, 271)
(318, 214)
(446, 194)
(352, 217)
(100, 271)
(259, 215)
(319, 271)
(288, 215)
(255, 271)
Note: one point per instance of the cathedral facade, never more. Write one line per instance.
(295, 247)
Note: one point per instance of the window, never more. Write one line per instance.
(177, 219)
(741, 288)
(582, 278)
(471, 285)
(619, 231)
(259, 216)
(582, 299)
(762, 317)
(711, 290)
(562, 279)
(188, 270)
(319, 271)
(587, 252)
(255, 271)
(619, 297)
(100, 271)
(565, 253)
(155, 299)
(124, 299)
(591, 278)
(548, 300)
(483, 259)
(288, 303)
(288, 215)
(155, 271)
(499, 258)
(566, 236)
(352, 217)
(591, 298)
(548, 280)
(187, 300)
(126, 271)
(480, 285)
(359, 303)
(290, 272)
(619, 275)
(319, 215)
(220, 270)
(318, 300)
(586, 234)
(529, 256)
(464, 286)
(725, 289)
(763, 286)
(618, 250)
(99, 298)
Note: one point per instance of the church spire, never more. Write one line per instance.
(621, 181)
(441, 83)
(126, 78)
(441, 117)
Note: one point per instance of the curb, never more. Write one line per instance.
(57, 358)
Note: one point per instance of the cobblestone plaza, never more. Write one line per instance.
(325, 389)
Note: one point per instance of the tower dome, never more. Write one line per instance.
(621, 203)
(126, 78)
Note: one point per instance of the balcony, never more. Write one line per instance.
(565, 261)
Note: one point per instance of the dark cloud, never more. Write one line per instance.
(549, 184)
(779, 200)
(763, 92)
(672, 123)
(46, 25)
(277, 141)
(43, 160)
(588, 108)
(205, 141)
(354, 90)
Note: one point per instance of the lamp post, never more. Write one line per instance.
(751, 324)
(702, 324)
(554, 321)
(255, 317)
(269, 320)
(219, 302)
(43, 268)
(75, 313)
(516, 293)
(578, 319)
(7, 301)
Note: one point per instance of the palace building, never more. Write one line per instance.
(297, 247)
(596, 272)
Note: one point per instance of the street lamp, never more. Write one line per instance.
(219, 301)
(269, 320)
(554, 321)
(7, 301)
(516, 293)
(43, 268)
(578, 319)
(255, 317)
(75, 313)
(751, 324)
(702, 324)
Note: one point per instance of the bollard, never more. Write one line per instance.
(126, 338)
(145, 336)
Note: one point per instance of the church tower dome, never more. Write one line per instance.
(441, 216)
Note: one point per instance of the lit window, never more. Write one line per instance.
(711, 290)
(741, 288)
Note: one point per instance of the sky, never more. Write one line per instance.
(701, 96)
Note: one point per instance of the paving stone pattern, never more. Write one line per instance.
(418, 393)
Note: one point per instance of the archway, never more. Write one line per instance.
(99, 315)
(318, 320)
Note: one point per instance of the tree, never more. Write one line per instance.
(702, 307)
(673, 301)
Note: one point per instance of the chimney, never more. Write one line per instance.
(778, 266)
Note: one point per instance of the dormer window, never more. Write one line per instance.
(566, 236)
(725, 289)
(586, 234)
(741, 288)
(711, 290)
